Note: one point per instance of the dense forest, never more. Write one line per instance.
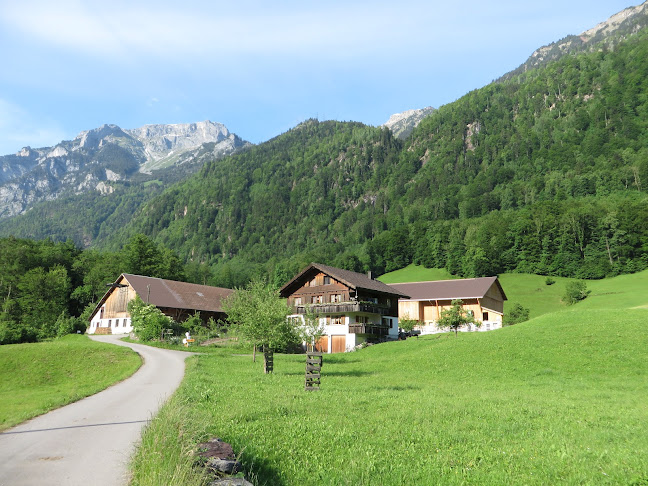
(545, 172)
(49, 289)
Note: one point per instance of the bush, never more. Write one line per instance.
(549, 281)
(517, 314)
(148, 321)
(68, 325)
(12, 332)
(575, 292)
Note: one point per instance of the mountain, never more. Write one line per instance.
(605, 35)
(98, 158)
(544, 173)
(402, 124)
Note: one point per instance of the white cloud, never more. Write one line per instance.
(19, 128)
(126, 31)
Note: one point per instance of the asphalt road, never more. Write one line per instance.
(90, 442)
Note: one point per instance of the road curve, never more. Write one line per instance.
(90, 442)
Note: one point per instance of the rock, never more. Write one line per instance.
(231, 482)
(225, 466)
(216, 448)
(219, 456)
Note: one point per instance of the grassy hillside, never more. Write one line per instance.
(560, 399)
(37, 378)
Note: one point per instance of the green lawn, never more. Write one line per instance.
(36, 378)
(560, 399)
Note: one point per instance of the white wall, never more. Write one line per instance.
(117, 326)
(430, 327)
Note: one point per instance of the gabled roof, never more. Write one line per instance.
(172, 294)
(353, 280)
(467, 288)
(178, 295)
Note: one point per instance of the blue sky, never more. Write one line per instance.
(258, 67)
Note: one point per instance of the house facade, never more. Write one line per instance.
(483, 298)
(178, 300)
(352, 307)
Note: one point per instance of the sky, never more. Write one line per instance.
(258, 67)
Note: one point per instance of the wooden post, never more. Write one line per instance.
(268, 361)
(313, 370)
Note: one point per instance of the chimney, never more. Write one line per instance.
(370, 275)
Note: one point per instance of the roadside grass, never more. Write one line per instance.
(39, 377)
(560, 399)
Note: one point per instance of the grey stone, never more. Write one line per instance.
(224, 465)
(231, 482)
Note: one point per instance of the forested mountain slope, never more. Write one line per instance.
(544, 173)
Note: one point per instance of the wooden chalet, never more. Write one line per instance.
(178, 300)
(352, 307)
(482, 297)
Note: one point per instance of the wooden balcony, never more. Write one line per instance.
(375, 329)
(342, 308)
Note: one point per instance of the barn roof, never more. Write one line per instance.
(467, 288)
(353, 280)
(178, 295)
(172, 294)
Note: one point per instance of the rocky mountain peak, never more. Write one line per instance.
(97, 157)
(402, 124)
(618, 27)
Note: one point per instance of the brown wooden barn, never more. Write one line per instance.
(178, 300)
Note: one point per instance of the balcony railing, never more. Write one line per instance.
(375, 329)
(342, 308)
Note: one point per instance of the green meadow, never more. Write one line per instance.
(38, 377)
(559, 399)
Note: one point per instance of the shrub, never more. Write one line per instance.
(517, 314)
(148, 321)
(575, 292)
(68, 325)
(550, 281)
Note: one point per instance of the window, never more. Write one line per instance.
(484, 316)
(362, 319)
(109, 323)
(337, 320)
(336, 298)
(101, 313)
(313, 282)
(298, 301)
(316, 299)
(327, 280)
(471, 313)
(116, 322)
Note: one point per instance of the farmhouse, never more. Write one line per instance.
(178, 300)
(352, 307)
(483, 298)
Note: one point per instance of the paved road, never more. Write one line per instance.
(90, 442)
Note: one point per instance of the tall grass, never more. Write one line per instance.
(36, 378)
(561, 399)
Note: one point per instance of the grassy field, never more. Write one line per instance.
(36, 378)
(560, 399)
